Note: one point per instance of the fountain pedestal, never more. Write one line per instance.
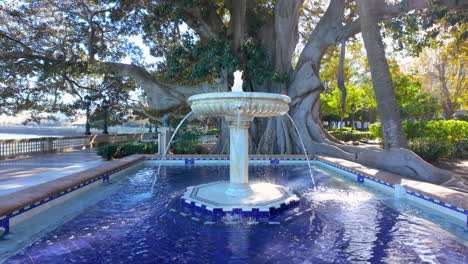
(239, 155)
(164, 136)
(239, 195)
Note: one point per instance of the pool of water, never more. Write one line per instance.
(342, 222)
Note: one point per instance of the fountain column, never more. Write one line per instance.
(239, 155)
(239, 194)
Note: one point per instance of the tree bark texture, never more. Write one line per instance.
(381, 78)
(277, 135)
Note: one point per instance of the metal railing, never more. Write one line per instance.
(18, 147)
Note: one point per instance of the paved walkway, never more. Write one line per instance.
(23, 173)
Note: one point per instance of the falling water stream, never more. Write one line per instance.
(305, 151)
(167, 148)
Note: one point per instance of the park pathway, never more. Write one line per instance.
(23, 173)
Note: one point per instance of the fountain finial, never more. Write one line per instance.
(237, 87)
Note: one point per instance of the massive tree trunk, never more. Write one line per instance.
(278, 35)
(304, 87)
(393, 134)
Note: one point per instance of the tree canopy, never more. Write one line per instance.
(51, 48)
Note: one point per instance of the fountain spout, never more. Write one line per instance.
(237, 87)
(239, 108)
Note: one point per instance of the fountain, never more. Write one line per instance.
(239, 195)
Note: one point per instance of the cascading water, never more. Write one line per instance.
(167, 148)
(238, 195)
(305, 151)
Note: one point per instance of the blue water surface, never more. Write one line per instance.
(342, 222)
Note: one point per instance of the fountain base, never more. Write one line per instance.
(256, 197)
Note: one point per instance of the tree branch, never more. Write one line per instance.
(206, 23)
(161, 96)
(286, 31)
(237, 22)
(384, 12)
(341, 79)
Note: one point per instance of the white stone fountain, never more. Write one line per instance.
(239, 108)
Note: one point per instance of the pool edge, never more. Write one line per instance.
(22, 201)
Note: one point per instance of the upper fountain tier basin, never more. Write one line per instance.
(250, 104)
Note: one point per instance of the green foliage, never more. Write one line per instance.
(430, 149)
(282, 77)
(423, 106)
(186, 142)
(414, 30)
(376, 131)
(450, 131)
(412, 101)
(122, 150)
(60, 69)
(358, 88)
(183, 147)
(258, 68)
(346, 134)
(213, 132)
(135, 148)
(195, 61)
(107, 151)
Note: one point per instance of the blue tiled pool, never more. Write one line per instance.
(343, 222)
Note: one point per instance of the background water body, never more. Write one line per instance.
(341, 223)
(4, 136)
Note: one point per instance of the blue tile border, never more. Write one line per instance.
(5, 223)
(361, 177)
(4, 220)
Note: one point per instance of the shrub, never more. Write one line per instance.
(213, 131)
(376, 131)
(451, 131)
(345, 135)
(107, 151)
(430, 149)
(135, 148)
(122, 150)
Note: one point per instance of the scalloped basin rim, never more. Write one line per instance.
(240, 95)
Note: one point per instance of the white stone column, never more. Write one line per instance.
(164, 136)
(239, 155)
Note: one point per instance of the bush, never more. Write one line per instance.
(213, 132)
(135, 148)
(376, 131)
(117, 151)
(430, 149)
(107, 151)
(185, 142)
(451, 131)
(351, 135)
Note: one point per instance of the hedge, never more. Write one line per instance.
(451, 131)
(351, 135)
(117, 151)
(433, 139)
(430, 149)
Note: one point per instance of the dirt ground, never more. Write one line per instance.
(457, 166)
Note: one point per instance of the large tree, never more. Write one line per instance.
(58, 43)
(443, 72)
